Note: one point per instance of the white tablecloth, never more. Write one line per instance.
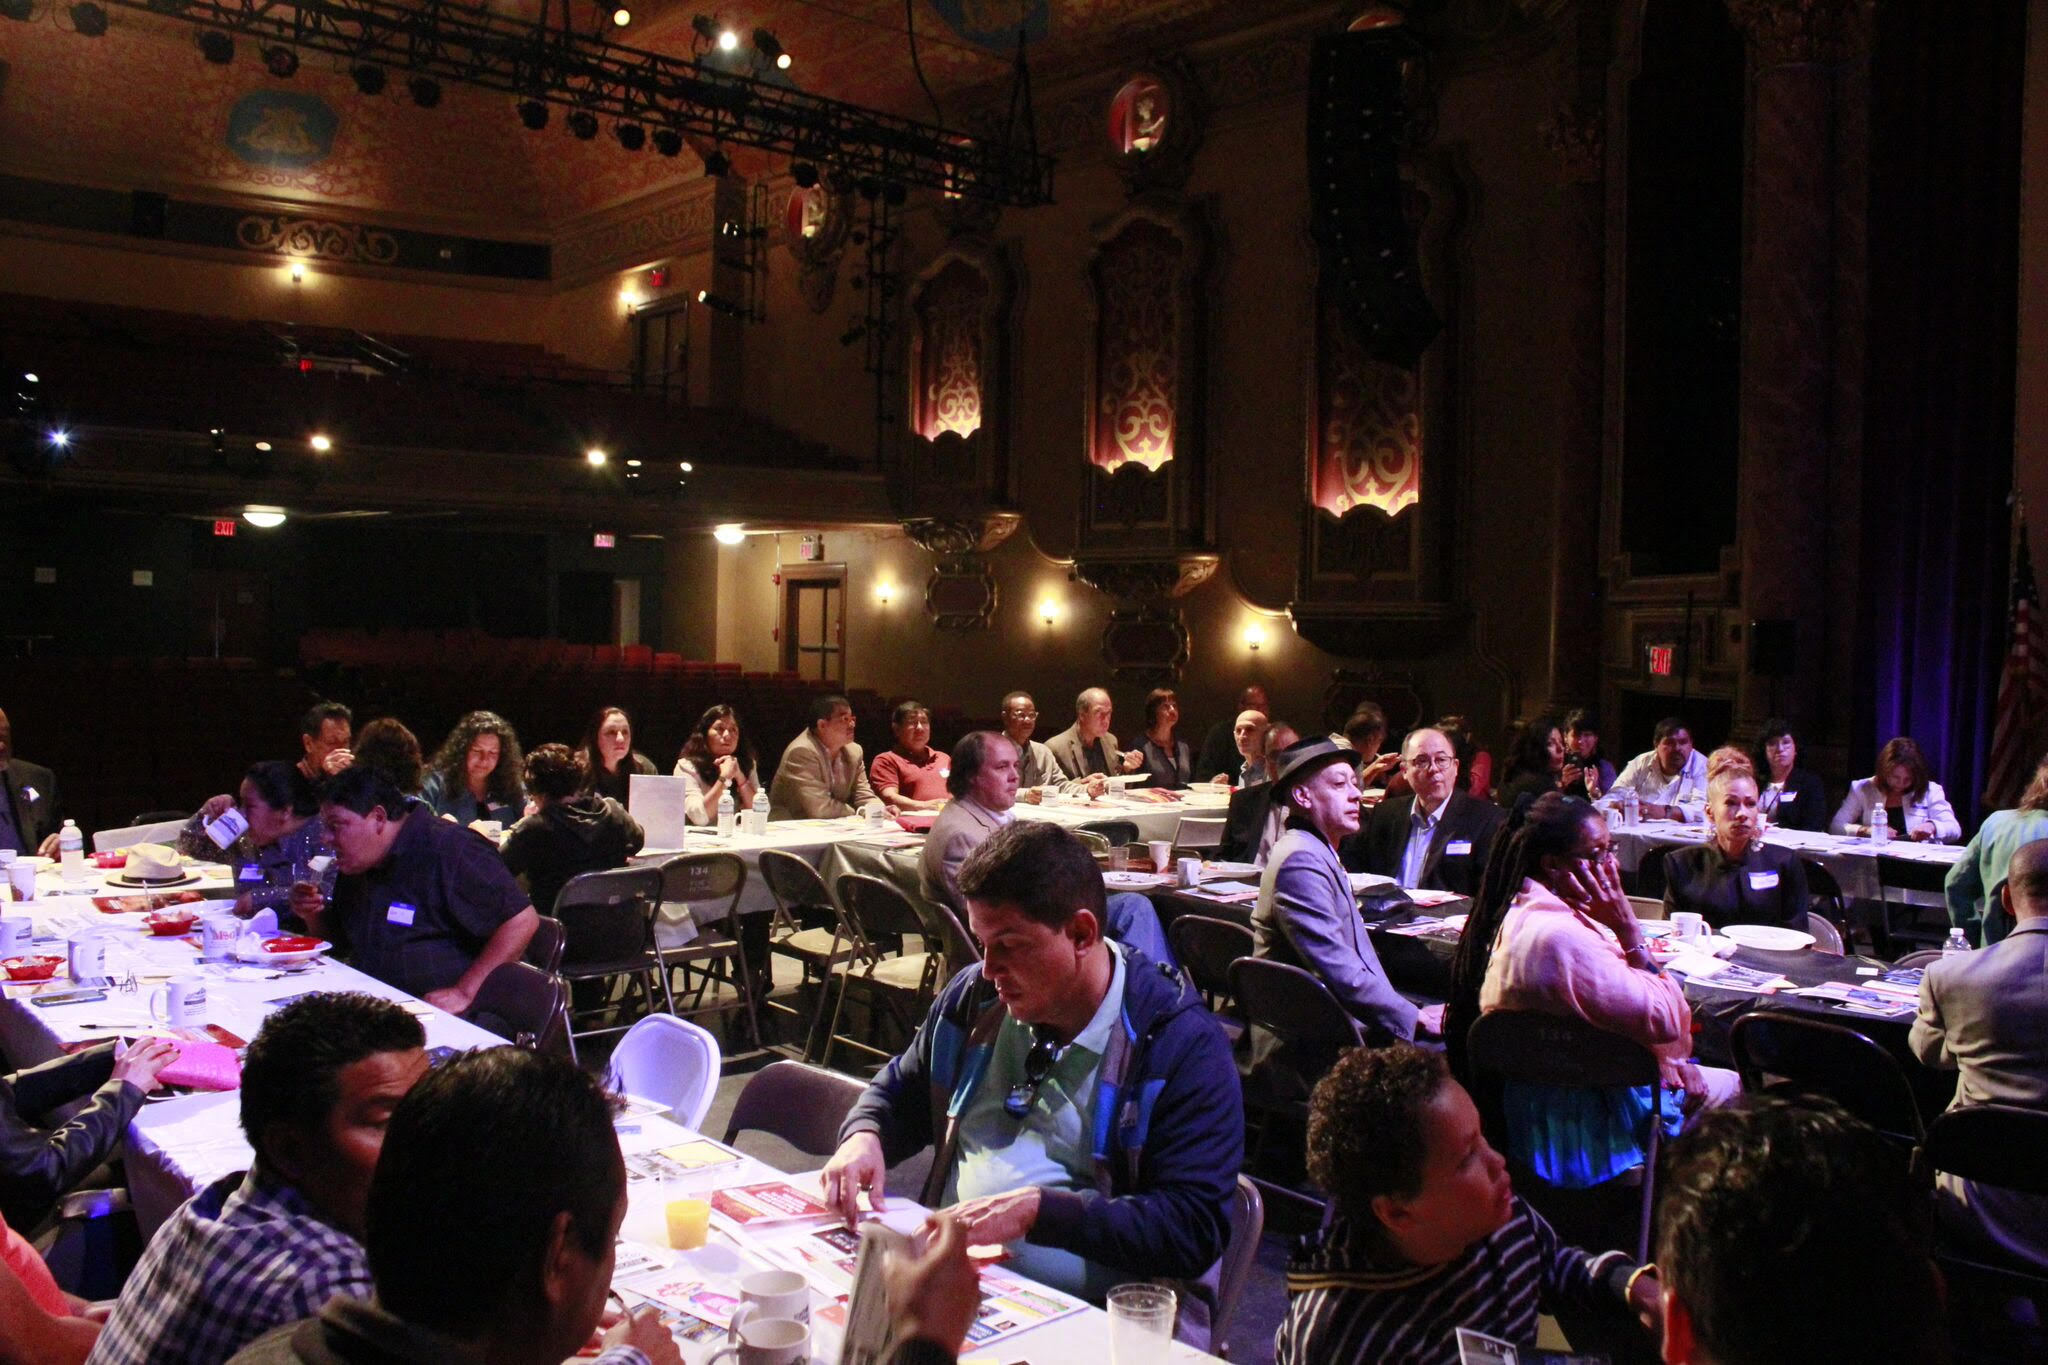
(1852, 861)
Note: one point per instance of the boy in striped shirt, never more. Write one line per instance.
(1428, 1235)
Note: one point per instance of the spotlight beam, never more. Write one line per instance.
(473, 46)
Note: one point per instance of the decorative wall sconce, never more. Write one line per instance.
(884, 591)
(1254, 636)
(1047, 611)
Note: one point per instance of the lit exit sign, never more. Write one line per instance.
(1660, 661)
(224, 527)
(604, 540)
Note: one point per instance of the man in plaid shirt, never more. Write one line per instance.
(257, 1250)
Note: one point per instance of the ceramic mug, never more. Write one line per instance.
(774, 1294)
(765, 1341)
(184, 1000)
(88, 957)
(217, 935)
(17, 935)
(1687, 925)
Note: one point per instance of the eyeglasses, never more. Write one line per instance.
(1423, 763)
(1015, 714)
(1038, 1064)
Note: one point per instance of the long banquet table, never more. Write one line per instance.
(1852, 862)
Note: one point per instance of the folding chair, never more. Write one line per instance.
(1240, 1254)
(801, 895)
(879, 915)
(1196, 833)
(1206, 947)
(1118, 832)
(1898, 881)
(544, 949)
(1782, 1051)
(802, 1105)
(1827, 937)
(1297, 1008)
(708, 885)
(2005, 1147)
(607, 921)
(670, 1061)
(1550, 1049)
(533, 1004)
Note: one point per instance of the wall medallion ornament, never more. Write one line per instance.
(1155, 127)
(282, 130)
(961, 593)
(816, 224)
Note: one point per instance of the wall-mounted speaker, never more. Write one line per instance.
(1357, 121)
(1773, 648)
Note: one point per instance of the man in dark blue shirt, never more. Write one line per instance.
(421, 904)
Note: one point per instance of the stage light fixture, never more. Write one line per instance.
(216, 47)
(621, 17)
(668, 141)
(89, 19)
(596, 457)
(60, 439)
(706, 30)
(869, 188)
(534, 114)
(720, 305)
(631, 136)
(718, 164)
(805, 175)
(320, 442)
(280, 61)
(21, 11)
(728, 41)
(369, 78)
(770, 49)
(426, 92)
(583, 124)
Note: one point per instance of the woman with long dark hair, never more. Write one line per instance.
(1535, 763)
(717, 759)
(608, 757)
(478, 773)
(1553, 933)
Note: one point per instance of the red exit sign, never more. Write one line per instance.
(604, 540)
(1660, 661)
(224, 527)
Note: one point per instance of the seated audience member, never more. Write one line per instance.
(1771, 1208)
(1427, 1235)
(40, 1324)
(1252, 822)
(1307, 914)
(911, 775)
(1474, 763)
(1366, 731)
(42, 1157)
(275, 853)
(1669, 779)
(1220, 755)
(1587, 773)
(1086, 749)
(258, 1249)
(1436, 838)
(1535, 764)
(1974, 883)
(388, 746)
(570, 831)
(421, 904)
(983, 784)
(1250, 768)
(478, 773)
(608, 757)
(1794, 797)
(1735, 877)
(933, 1298)
(1564, 940)
(1730, 758)
(1984, 1015)
(1166, 756)
(717, 760)
(324, 734)
(29, 821)
(1036, 768)
(821, 775)
(490, 1228)
(1903, 796)
(1025, 1076)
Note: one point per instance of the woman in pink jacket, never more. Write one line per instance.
(1553, 932)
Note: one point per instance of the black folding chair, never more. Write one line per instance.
(1118, 832)
(531, 1005)
(544, 949)
(708, 885)
(879, 917)
(802, 897)
(607, 921)
(1782, 1051)
(1313, 1027)
(2005, 1147)
(802, 1105)
(1569, 1053)
(1898, 880)
(1206, 947)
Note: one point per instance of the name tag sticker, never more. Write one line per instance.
(30, 794)
(249, 873)
(1762, 881)
(401, 913)
(1458, 848)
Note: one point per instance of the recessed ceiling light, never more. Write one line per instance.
(263, 445)
(731, 533)
(268, 518)
(320, 442)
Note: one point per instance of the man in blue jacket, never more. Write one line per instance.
(1082, 1103)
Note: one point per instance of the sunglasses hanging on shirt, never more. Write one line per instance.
(1038, 1064)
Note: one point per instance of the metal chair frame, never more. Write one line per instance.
(716, 954)
(860, 896)
(797, 886)
(609, 898)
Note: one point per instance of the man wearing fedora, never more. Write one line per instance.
(1307, 916)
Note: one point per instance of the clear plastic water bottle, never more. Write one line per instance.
(1958, 942)
(1880, 827)
(71, 844)
(726, 813)
(1631, 807)
(759, 824)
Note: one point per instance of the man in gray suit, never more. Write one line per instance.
(983, 782)
(1086, 750)
(821, 775)
(1985, 1014)
(1307, 915)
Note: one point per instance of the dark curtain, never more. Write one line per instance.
(1946, 84)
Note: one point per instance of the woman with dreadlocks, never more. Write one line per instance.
(1552, 932)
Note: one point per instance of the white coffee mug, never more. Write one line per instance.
(765, 1341)
(184, 1000)
(22, 876)
(1190, 872)
(217, 935)
(17, 935)
(87, 954)
(774, 1294)
(1162, 854)
(1687, 925)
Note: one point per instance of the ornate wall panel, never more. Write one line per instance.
(1367, 447)
(947, 351)
(1140, 276)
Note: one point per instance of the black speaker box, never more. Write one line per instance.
(1773, 648)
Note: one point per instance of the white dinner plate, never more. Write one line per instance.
(1768, 937)
(1136, 881)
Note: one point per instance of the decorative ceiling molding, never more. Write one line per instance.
(677, 220)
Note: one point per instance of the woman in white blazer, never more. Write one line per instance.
(1903, 796)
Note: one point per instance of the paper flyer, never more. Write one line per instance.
(1011, 1304)
(678, 1161)
(775, 1201)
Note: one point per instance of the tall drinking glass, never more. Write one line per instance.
(1140, 1324)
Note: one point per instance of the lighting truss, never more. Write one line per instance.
(474, 46)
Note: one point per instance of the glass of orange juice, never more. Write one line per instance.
(689, 1223)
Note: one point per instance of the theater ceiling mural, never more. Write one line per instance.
(140, 108)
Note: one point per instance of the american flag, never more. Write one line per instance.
(2023, 685)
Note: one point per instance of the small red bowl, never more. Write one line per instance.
(38, 968)
(114, 860)
(917, 821)
(292, 943)
(166, 925)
